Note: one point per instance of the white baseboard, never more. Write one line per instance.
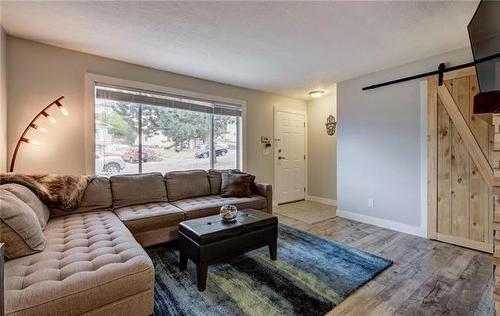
(321, 200)
(400, 227)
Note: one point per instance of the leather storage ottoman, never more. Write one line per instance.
(209, 240)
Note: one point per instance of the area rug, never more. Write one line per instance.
(311, 276)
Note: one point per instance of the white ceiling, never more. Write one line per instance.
(287, 48)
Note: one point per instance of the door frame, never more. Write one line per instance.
(284, 108)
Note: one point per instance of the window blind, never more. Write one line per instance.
(131, 95)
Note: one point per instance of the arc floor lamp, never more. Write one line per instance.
(33, 125)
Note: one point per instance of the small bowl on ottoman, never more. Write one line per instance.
(228, 213)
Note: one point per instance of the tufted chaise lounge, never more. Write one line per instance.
(94, 262)
(91, 264)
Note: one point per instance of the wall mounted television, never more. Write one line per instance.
(484, 35)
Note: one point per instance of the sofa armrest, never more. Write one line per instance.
(266, 190)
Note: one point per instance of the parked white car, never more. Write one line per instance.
(109, 165)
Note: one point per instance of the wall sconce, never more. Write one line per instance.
(33, 125)
(331, 125)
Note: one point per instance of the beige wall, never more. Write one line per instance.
(3, 102)
(39, 73)
(321, 148)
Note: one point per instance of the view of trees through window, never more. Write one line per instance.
(134, 137)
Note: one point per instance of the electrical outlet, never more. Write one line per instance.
(371, 203)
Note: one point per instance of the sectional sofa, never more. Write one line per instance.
(93, 262)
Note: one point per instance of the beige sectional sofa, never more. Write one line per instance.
(93, 262)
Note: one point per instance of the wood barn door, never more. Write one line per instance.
(460, 202)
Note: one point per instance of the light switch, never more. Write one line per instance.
(371, 203)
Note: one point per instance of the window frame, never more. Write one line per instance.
(89, 121)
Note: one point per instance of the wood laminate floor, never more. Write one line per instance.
(427, 277)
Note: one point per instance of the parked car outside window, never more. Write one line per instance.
(132, 155)
(109, 165)
(220, 150)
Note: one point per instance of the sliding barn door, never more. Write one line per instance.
(463, 204)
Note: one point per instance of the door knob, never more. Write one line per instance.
(280, 157)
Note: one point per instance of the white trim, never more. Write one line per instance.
(158, 88)
(282, 108)
(89, 129)
(321, 200)
(401, 227)
(423, 158)
(243, 136)
(89, 124)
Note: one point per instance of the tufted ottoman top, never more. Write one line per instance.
(91, 260)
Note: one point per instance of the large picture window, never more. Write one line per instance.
(140, 131)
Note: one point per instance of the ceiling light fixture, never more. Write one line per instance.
(316, 93)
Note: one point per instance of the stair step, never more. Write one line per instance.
(495, 119)
(496, 172)
(496, 141)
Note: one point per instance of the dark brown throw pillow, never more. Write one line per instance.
(236, 185)
(253, 187)
(215, 178)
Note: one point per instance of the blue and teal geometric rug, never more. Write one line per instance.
(311, 276)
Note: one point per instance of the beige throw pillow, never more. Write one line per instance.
(30, 198)
(20, 228)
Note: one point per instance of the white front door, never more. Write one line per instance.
(289, 156)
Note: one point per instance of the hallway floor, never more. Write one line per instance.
(306, 211)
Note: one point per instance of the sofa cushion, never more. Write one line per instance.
(138, 189)
(187, 184)
(236, 185)
(210, 205)
(27, 196)
(91, 260)
(20, 228)
(140, 218)
(97, 197)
